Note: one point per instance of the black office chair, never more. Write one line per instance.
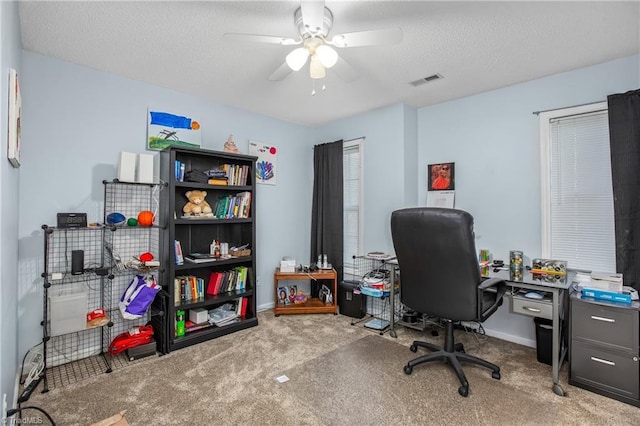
(440, 277)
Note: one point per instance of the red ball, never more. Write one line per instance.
(146, 257)
(145, 218)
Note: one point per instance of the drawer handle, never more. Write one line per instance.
(593, 317)
(603, 361)
(536, 310)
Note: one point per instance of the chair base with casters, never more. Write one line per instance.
(452, 354)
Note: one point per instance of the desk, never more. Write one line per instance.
(559, 292)
(313, 305)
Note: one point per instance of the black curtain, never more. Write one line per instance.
(624, 135)
(327, 212)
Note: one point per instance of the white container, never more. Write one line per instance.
(144, 169)
(198, 315)
(67, 308)
(127, 167)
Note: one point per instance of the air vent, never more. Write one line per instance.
(426, 80)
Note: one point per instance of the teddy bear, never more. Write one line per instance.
(197, 204)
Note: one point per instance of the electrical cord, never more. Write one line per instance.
(24, 359)
(14, 411)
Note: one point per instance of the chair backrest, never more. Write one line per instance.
(439, 272)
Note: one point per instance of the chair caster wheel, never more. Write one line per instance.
(408, 369)
(464, 391)
(413, 348)
(496, 375)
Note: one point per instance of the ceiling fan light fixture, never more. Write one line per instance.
(316, 70)
(327, 55)
(297, 58)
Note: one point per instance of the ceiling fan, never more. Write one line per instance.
(313, 21)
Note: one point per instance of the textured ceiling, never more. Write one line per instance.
(477, 46)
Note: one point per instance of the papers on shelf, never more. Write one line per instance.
(440, 199)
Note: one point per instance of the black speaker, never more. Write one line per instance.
(77, 262)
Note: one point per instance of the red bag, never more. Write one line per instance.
(138, 335)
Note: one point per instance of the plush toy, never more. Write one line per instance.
(197, 203)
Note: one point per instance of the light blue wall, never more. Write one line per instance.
(76, 121)
(410, 156)
(10, 53)
(384, 173)
(493, 138)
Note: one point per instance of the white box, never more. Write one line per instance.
(127, 167)
(198, 316)
(67, 308)
(609, 281)
(144, 170)
(287, 266)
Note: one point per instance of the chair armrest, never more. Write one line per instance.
(489, 285)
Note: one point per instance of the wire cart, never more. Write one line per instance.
(374, 274)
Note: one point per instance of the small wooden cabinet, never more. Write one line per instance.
(605, 348)
(313, 305)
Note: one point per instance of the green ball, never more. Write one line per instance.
(132, 221)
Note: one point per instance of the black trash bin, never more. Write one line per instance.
(544, 339)
(351, 304)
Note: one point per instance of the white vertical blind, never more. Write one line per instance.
(581, 222)
(352, 188)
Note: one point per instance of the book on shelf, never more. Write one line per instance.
(214, 283)
(200, 257)
(179, 171)
(188, 288)
(177, 248)
(243, 308)
(236, 206)
(191, 326)
(218, 181)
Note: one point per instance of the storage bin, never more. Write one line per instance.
(544, 339)
(351, 304)
(67, 308)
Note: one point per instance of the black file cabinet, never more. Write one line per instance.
(605, 348)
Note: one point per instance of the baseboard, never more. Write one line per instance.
(497, 334)
(266, 306)
(510, 338)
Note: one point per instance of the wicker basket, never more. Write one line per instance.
(240, 253)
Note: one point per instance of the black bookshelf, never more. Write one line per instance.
(195, 235)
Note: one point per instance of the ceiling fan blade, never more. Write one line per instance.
(262, 39)
(345, 71)
(368, 38)
(312, 14)
(281, 73)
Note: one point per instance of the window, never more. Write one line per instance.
(577, 193)
(352, 186)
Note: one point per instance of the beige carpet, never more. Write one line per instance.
(231, 381)
(364, 383)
